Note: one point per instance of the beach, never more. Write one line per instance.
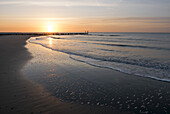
(35, 79)
(21, 95)
(78, 80)
(84, 57)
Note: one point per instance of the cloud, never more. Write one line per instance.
(98, 20)
(58, 3)
(103, 3)
(10, 2)
(126, 20)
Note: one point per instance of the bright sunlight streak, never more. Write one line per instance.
(50, 28)
(50, 41)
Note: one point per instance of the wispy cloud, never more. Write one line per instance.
(128, 20)
(10, 2)
(98, 19)
(58, 3)
(37, 19)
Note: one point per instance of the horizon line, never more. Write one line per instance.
(83, 32)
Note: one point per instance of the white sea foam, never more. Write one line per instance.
(130, 69)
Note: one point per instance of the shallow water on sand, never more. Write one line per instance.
(141, 54)
(75, 82)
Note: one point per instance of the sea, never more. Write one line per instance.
(125, 71)
(141, 54)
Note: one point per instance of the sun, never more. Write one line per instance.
(50, 28)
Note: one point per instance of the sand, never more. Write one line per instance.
(19, 95)
(80, 83)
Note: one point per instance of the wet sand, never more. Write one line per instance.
(22, 96)
(80, 83)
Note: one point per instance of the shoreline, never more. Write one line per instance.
(111, 68)
(105, 67)
(123, 87)
(20, 95)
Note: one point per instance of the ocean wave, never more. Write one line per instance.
(109, 50)
(133, 46)
(142, 63)
(139, 39)
(142, 74)
(56, 37)
(139, 62)
(107, 40)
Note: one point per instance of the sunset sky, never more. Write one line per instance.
(81, 15)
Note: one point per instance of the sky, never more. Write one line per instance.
(81, 15)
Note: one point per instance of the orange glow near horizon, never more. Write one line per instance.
(82, 24)
(81, 15)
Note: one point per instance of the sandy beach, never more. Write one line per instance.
(34, 79)
(23, 96)
(84, 57)
(104, 90)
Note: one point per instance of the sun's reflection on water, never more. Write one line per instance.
(50, 41)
